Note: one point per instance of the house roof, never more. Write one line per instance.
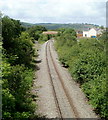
(79, 32)
(50, 32)
(88, 29)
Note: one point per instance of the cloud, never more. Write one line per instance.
(61, 11)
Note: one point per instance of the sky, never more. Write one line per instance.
(56, 11)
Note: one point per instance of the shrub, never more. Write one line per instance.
(22, 52)
(17, 99)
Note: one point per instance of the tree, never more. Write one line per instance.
(10, 29)
(70, 31)
(35, 31)
(102, 27)
(23, 49)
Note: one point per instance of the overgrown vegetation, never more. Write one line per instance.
(86, 61)
(18, 54)
(36, 31)
(44, 37)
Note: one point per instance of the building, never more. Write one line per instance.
(50, 32)
(79, 34)
(90, 33)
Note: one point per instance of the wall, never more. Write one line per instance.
(91, 32)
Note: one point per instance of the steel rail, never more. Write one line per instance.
(74, 109)
(54, 92)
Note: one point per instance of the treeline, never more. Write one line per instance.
(54, 26)
(18, 68)
(76, 26)
(86, 61)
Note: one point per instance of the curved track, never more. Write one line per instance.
(58, 80)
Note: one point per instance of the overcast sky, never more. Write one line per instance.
(56, 11)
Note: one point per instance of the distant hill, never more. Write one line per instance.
(27, 24)
(53, 26)
(76, 26)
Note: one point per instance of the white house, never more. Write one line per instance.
(90, 33)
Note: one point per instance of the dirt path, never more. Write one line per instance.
(59, 95)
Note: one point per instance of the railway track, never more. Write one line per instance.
(63, 100)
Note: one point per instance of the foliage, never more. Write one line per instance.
(66, 39)
(22, 48)
(10, 29)
(43, 38)
(86, 61)
(17, 73)
(17, 81)
(35, 31)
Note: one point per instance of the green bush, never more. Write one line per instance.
(17, 100)
(43, 38)
(22, 52)
(96, 91)
(89, 65)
